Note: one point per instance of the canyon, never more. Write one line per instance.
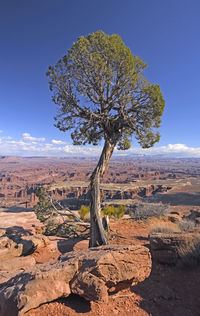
(68, 178)
(32, 263)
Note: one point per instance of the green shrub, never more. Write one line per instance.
(114, 212)
(146, 210)
(47, 214)
(84, 212)
(190, 254)
(110, 210)
(44, 210)
(187, 225)
(61, 230)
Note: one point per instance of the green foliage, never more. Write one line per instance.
(47, 215)
(84, 212)
(110, 210)
(114, 212)
(147, 210)
(61, 230)
(44, 210)
(101, 92)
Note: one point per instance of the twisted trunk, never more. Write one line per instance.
(97, 234)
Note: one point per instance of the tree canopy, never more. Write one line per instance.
(101, 92)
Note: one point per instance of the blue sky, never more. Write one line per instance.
(35, 34)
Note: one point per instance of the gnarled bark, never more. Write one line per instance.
(97, 234)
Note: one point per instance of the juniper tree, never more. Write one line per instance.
(101, 94)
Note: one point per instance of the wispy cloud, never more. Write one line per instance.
(37, 146)
(28, 137)
(58, 142)
(178, 150)
(6, 137)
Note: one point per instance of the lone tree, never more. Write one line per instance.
(101, 93)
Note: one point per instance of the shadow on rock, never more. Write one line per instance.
(18, 209)
(67, 245)
(180, 198)
(18, 232)
(77, 303)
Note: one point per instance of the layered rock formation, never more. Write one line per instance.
(19, 177)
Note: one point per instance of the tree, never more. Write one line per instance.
(101, 93)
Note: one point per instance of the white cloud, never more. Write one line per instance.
(36, 146)
(6, 137)
(28, 137)
(58, 142)
(178, 150)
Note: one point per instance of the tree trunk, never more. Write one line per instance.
(97, 233)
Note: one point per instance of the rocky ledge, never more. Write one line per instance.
(165, 246)
(92, 274)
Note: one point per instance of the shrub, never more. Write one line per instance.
(146, 210)
(164, 228)
(84, 212)
(44, 210)
(54, 223)
(61, 230)
(110, 210)
(115, 212)
(187, 225)
(119, 211)
(190, 254)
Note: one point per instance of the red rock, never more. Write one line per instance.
(164, 246)
(89, 273)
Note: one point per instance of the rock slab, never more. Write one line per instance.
(164, 246)
(89, 273)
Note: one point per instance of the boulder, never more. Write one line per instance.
(89, 273)
(38, 241)
(15, 246)
(9, 249)
(2, 232)
(164, 246)
(17, 263)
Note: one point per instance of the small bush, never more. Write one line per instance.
(164, 228)
(44, 210)
(84, 212)
(61, 230)
(187, 225)
(110, 210)
(115, 212)
(190, 254)
(146, 210)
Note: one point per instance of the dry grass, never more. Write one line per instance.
(187, 225)
(190, 254)
(164, 227)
